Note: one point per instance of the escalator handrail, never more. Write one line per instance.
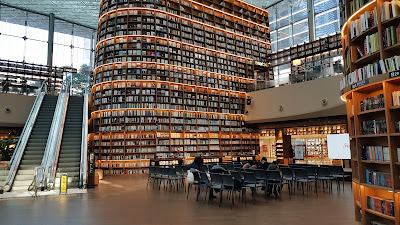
(84, 143)
(50, 157)
(26, 133)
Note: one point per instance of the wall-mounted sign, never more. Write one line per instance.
(264, 148)
(258, 63)
(70, 70)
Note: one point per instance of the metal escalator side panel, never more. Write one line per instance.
(50, 157)
(21, 145)
(84, 143)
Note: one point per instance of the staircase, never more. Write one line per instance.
(36, 145)
(70, 151)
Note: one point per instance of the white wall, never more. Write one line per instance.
(299, 101)
(20, 106)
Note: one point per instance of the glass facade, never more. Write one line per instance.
(24, 35)
(289, 27)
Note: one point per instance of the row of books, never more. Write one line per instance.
(378, 178)
(390, 9)
(380, 205)
(370, 103)
(367, 20)
(376, 153)
(357, 4)
(396, 98)
(371, 45)
(391, 36)
(380, 67)
(374, 127)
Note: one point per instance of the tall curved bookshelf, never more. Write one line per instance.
(369, 88)
(171, 78)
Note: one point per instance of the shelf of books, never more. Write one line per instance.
(171, 79)
(371, 90)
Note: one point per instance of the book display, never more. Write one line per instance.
(170, 81)
(370, 88)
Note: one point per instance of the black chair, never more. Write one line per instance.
(230, 167)
(216, 184)
(236, 175)
(274, 178)
(203, 183)
(337, 172)
(152, 176)
(288, 176)
(164, 177)
(324, 176)
(261, 176)
(311, 171)
(301, 177)
(229, 185)
(250, 181)
(174, 178)
(239, 168)
(196, 182)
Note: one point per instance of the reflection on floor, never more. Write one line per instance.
(125, 200)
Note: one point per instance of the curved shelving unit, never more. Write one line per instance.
(373, 117)
(171, 79)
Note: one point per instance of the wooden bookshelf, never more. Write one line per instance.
(171, 79)
(364, 133)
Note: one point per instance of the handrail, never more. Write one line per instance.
(26, 133)
(50, 157)
(84, 143)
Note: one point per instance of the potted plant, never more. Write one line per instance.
(6, 147)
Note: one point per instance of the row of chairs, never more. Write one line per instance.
(168, 175)
(335, 172)
(236, 181)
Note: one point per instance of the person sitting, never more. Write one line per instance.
(246, 166)
(273, 166)
(253, 165)
(264, 163)
(196, 164)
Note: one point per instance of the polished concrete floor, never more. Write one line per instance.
(125, 200)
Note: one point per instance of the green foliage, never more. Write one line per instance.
(5, 147)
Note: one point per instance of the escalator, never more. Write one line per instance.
(70, 150)
(53, 142)
(33, 153)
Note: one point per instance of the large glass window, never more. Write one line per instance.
(289, 26)
(326, 17)
(24, 35)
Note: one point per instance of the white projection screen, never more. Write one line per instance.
(338, 146)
